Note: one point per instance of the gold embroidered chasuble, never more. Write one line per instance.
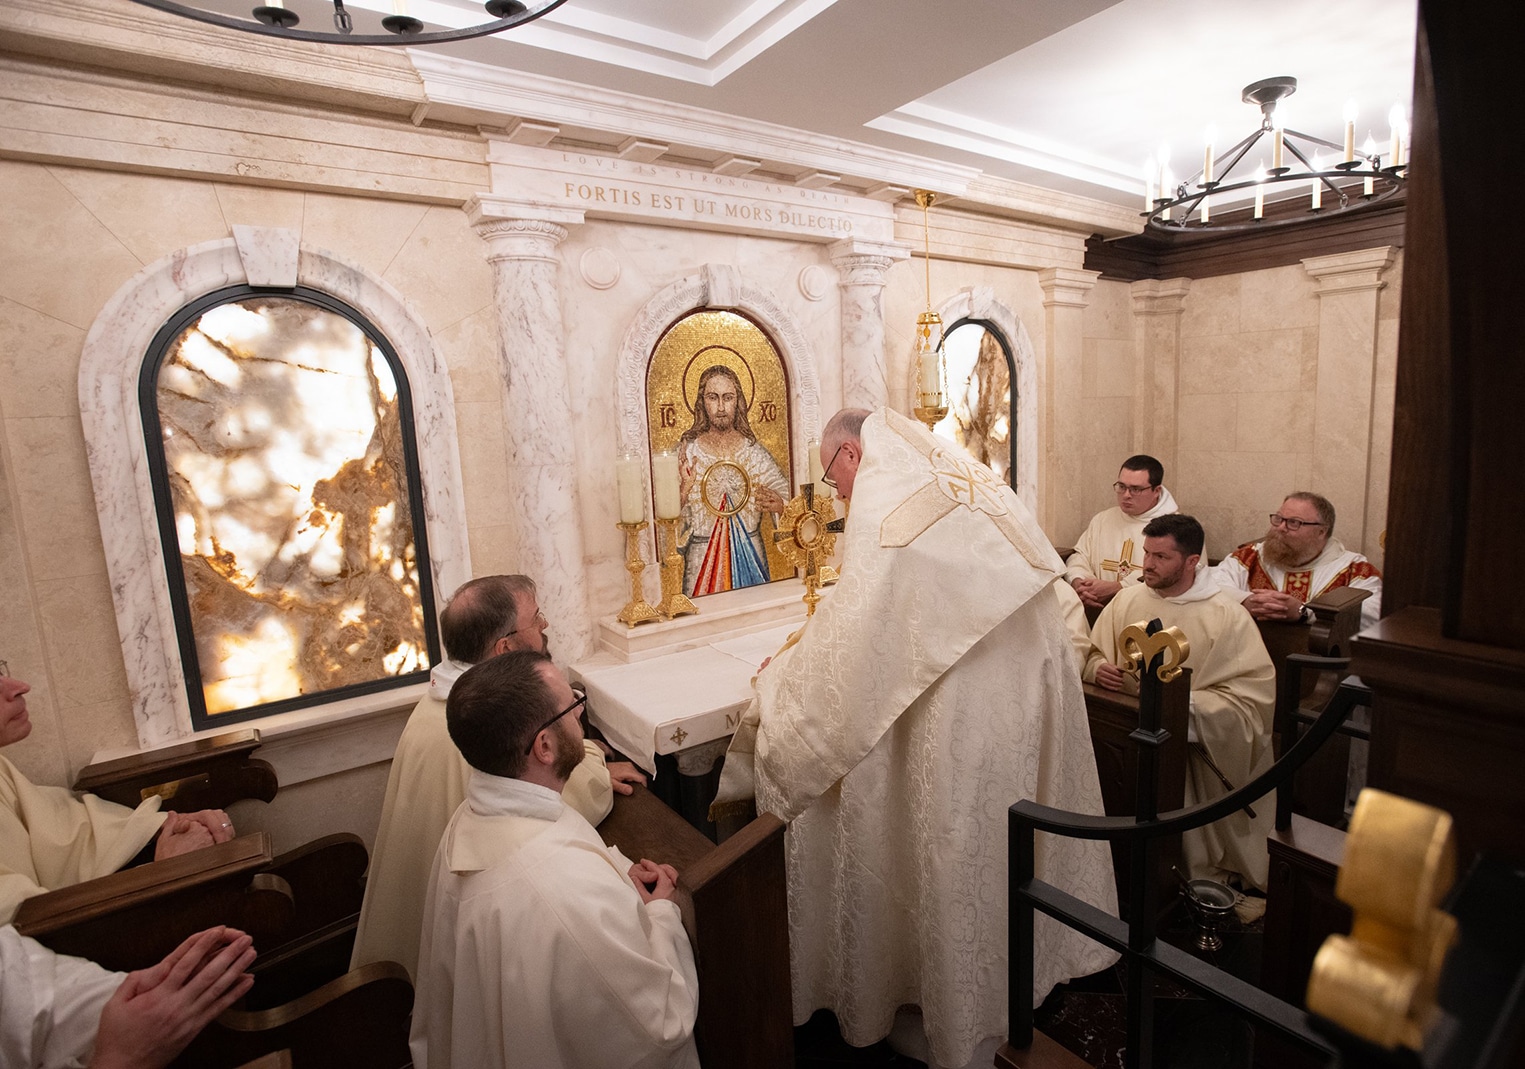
(934, 687)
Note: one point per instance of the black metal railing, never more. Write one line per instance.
(1144, 954)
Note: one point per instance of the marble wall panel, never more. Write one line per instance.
(39, 363)
(371, 232)
(1277, 298)
(1212, 307)
(441, 269)
(151, 216)
(259, 206)
(61, 260)
(470, 347)
(1208, 421)
(52, 486)
(1267, 361)
(1107, 370)
(1273, 422)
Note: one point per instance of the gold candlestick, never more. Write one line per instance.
(638, 611)
(674, 602)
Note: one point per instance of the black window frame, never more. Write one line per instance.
(158, 473)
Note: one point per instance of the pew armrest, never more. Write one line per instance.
(210, 773)
(1336, 618)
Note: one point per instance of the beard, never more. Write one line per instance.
(1276, 550)
(723, 421)
(569, 753)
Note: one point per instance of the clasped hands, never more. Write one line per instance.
(1095, 593)
(1112, 677)
(653, 881)
(1274, 605)
(183, 832)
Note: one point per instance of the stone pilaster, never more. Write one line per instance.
(1065, 296)
(1348, 284)
(1157, 308)
(861, 267)
(546, 519)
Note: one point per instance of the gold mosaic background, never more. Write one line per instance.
(695, 343)
(282, 440)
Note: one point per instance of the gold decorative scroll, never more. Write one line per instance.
(1379, 982)
(1139, 648)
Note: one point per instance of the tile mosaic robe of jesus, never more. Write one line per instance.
(729, 479)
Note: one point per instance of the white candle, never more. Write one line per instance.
(664, 485)
(1260, 201)
(1204, 209)
(1207, 156)
(275, 3)
(632, 488)
(1276, 138)
(815, 462)
(1318, 193)
(1350, 130)
(931, 376)
(399, 7)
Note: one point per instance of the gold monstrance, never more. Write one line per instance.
(807, 535)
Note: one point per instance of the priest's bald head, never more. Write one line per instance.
(492, 614)
(842, 442)
(514, 716)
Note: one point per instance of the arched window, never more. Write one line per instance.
(279, 434)
(717, 398)
(982, 405)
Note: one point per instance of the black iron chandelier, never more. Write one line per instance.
(1348, 178)
(274, 19)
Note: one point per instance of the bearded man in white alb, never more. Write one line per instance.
(933, 688)
(1109, 554)
(542, 946)
(490, 615)
(1298, 560)
(1233, 689)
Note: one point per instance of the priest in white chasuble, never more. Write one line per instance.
(1109, 554)
(1233, 690)
(933, 688)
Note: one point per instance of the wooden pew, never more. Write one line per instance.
(360, 1019)
(301, 907)
(210, 773)
(1321, 784)
(736, 911)
(298, 906)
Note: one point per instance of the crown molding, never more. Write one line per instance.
(480, 94)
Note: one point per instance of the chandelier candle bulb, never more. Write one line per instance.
(664, 485)
(1350, 130)
(1276, 142)
(1260, 201)
(632, 490)
(1318, 194)
(1205, 217)
(400, 7)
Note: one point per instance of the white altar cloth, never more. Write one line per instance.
(678, 700)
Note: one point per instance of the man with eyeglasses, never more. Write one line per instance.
(486, 617)
(1109, 555)
(542, 946)
(934, 686)
(1233, 690)
(1299, 559)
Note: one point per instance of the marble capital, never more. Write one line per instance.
(1155, 296)
(1066, 286)
(1346, 271)
(864, 263)
(519, 229)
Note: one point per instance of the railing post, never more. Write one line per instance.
(1019, 932)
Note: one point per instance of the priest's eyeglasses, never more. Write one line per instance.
(1291, 523)
(582, 699)
(826, 471)
(1129, 491)
(537, 619)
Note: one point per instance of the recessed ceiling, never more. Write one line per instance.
(1071, 95)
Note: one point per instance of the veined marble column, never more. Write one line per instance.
(1157, 308)
(546, 520)
(860, 268)
(1348, 284)
(1065, 291)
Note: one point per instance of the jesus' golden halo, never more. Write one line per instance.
(707, 358)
